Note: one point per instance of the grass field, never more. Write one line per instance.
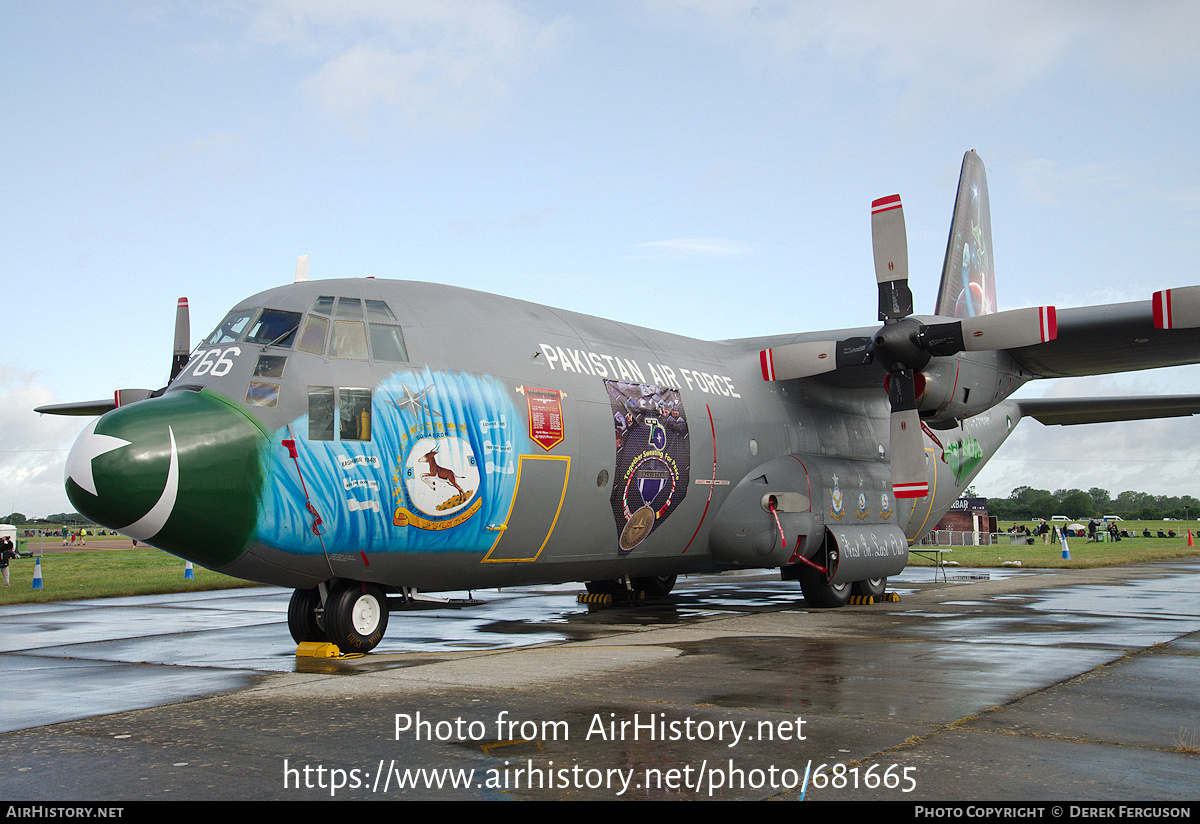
(108, 568)
(1084, 555)
(106, 573)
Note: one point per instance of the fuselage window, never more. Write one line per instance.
(322, 407)
(355, 414)
(349, 339)
(324, 305)
(261, 393)
(274, 327)
(269, 366)
(230, 329)
(312, 339)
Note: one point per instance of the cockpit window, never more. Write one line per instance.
(274, 327)
(379, 312)
(338, 322)
(313, 338)
(349, 308)
(349, 340)
(231, 329)
(387, 343)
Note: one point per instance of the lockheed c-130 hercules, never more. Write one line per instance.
(365, 440)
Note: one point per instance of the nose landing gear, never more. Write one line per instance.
(354, 617)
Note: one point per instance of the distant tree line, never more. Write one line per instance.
(58, 519)
(1026, 503)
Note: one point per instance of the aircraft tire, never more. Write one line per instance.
(612, 587)
(302, 616)
(819, 592)
(656, 586)
(356, 616)
(873, 587)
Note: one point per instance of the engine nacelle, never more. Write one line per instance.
(745, 532)
(802, 504)
(964, 385)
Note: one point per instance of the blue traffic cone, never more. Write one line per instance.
(187, 571)
(37, 574)
(1066, 550)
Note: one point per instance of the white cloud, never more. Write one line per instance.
(33, 448)
(420, 65)
(938, 52)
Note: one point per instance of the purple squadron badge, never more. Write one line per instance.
(653, 458)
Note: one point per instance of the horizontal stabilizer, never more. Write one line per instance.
(1068, 411)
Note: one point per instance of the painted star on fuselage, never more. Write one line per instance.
(89, 447)
(414, 402)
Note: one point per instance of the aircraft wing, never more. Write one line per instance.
(1096, 340)
(1068, 411)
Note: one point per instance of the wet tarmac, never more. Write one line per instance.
(1000, 685)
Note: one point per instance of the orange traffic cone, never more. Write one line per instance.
(1190, 541)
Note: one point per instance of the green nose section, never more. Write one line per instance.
(183, 472)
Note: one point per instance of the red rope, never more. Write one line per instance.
(317, 529)
(796, 556)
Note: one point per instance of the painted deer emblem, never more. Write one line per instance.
(439, 473)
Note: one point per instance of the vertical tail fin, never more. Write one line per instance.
(968, 275)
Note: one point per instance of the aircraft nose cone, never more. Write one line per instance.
(182, 472)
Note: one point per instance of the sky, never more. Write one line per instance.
(720, 157)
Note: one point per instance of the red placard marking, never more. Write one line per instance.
(545, 416)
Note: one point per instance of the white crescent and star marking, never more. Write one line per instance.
(91, 445)
(88, 447)
(153, 521)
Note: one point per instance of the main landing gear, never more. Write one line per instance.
(654, 586)
(354, 617)
(820, 593)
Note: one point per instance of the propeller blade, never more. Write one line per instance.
(906, 445)
(999, 330)
(124, 397)
(1177, 308)
(803, 360)
(890, 243)
(81, 408)
(183, 337)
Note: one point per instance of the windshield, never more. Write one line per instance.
(231, 329)
(274, 326)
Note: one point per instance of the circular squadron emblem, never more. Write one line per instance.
(441, 479)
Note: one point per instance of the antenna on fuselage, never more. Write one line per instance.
(301, 268)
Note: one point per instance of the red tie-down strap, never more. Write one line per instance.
(796, 556)
(318, 524)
